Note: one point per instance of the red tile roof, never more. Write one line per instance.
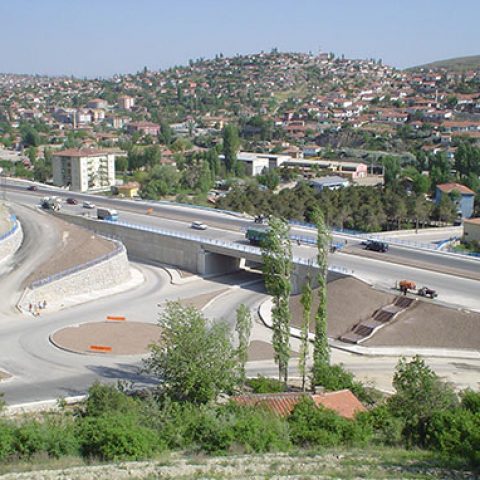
(450, 187)
(343, 402)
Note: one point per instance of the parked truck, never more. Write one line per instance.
(107, 214)
(257, 234)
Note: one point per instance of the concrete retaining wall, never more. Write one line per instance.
(10, 244)
(109, 273)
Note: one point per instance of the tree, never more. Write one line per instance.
(419, 393)
(231, 144)
(243, 327)
(306, 301)
(392, 169)
(277, 268)
(321, 350)
(193, 362)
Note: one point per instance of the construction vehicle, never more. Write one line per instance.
(51, 203)
(427, 292)
(406, 285)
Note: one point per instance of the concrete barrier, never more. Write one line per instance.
(11, 240)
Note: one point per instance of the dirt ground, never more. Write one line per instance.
(125, 338)
(4, 375)
(78, 246)
(428, 325)
(258, 350)
(348, 302)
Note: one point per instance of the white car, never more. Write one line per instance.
(88, 205)
(198, 226)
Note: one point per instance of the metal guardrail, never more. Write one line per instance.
(12, 230)
(77, 268)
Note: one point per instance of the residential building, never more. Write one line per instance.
(342, 402)
(464, 203)
(129, 189)
(84, 169)
(146, 128)
(125, 102)
(333, 182)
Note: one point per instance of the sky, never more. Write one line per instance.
(98, 38)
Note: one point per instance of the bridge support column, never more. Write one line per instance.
(209, 263)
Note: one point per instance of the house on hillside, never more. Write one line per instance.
(464, 203)
(332, 182)
(343, 402)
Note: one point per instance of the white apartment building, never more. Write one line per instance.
(84, 169)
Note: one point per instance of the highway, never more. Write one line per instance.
(41, 371)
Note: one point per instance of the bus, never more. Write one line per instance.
(107, 214)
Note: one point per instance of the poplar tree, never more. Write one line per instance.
(306, 301)
(243, 327)
(321, 350)
(277, 268)
(231, 144)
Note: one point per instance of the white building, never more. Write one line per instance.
(84, 169)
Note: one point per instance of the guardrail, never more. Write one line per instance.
(12, 230)
(57, 276)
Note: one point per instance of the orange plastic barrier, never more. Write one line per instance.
(118, 319)
(100, 348)
(149, 211)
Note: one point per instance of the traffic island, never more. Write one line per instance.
(107, 338)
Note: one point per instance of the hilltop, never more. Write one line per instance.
(457, 64)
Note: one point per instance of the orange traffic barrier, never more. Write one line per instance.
(149, 211)
(118, 319)
(100, 348)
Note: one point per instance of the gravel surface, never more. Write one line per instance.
(125, 338)
(428, 325)
(79, 246)
(349, 301)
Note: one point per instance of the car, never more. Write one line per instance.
(88, 205)
(198, 226)
(32, 188)
(376, 246)
(72, 201)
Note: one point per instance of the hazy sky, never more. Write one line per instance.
(103, 37)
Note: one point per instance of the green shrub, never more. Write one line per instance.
(29, 439)
(471, 401)
(265, 385)
(334, 377)
(258, 430)
(213, 432)
(6, 439)
(104, 399)
(387, 428)
(116, 437)
(316, 426)
(455, 433)
(61, 437)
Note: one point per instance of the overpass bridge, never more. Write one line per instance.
(194, 253)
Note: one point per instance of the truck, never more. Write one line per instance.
(51, 203)
(107, 214)
(257, 234)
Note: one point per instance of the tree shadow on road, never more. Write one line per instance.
(124, 372)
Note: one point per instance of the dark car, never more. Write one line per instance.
(376, 246)
(72, 201)
(32, 188)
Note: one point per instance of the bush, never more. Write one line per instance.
(387, 429)
(6, 440)
(335, 377)
(471, 401)
(316, 426)
(61, 437)
(265, 385)
(103, 399)
(29, 439)
(455, 433)
(116, 437)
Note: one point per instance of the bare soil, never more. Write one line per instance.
(428, 325)
(4, 375)
(125, 338)
(5, 223)
(349, 301)
(78, 246)
(258, 351)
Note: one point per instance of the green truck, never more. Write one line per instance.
(255, 235)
